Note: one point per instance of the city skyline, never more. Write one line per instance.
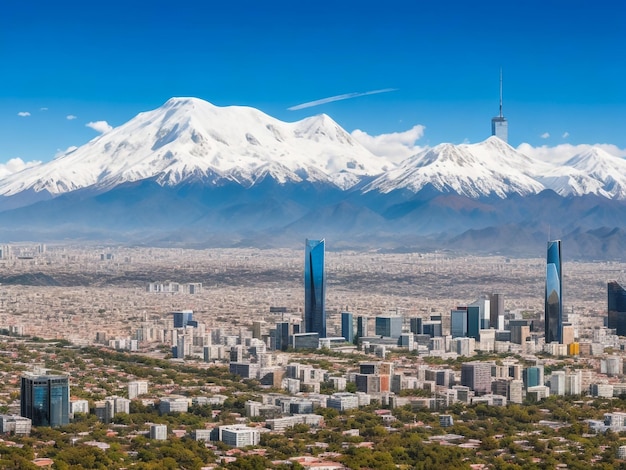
(401, 78)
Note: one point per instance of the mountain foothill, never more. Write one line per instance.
(194, 174)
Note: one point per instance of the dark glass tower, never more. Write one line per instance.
(314, 288)
(347, 326)
(45, 399)
(554, 290)
(617, 308)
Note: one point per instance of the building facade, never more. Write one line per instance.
(314, 288)
(617, 308)
(553, 294)
(45, 399)
(347, 326)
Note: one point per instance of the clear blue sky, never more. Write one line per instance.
(564, 66)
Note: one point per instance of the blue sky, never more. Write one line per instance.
(67, 64)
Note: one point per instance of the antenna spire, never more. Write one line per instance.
(500, 91)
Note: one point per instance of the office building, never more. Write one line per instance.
(182, 318)
(361, 327)
(239, 435)
(306, 341)
(553, 294)
(499, 124)
(473, 322)
(496, 311)
(13, 424)
(158, 432)
(282, 336)
(477, 376)
(617, 308)
(415, 326)
(389, 326)
(458, 323)
(343, 401)
(314, 288)
(136, 388)
(347, 326)
(45, 399)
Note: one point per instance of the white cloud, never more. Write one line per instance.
(14, 165)
(70, 117)
(23, 114)
(43, 109)
(545, 135)
(395, 146)
(563, 152)
(565, 135)
(345, 96)
(100, 126)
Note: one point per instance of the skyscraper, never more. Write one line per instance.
(496, 309)
(499, 124)
(617, 307)
(347, 326)
(554, 290)
(45, 399)
(314, 288)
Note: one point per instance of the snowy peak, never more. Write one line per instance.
(489, 168)
(593, 171)
(188, 138)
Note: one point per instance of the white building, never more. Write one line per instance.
(15, 424)
(239, 436)
(343, 401)
(158, 432)
(173, 404)
(136, 388)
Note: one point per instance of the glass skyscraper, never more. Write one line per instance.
(45, 399)
(554, 290)
(617, 308)
(314, 288)
(347, 326)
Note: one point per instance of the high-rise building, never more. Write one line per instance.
(617, 308)
(45, 399)
(347, 326)
(282, 336)
(389, 326)
(476, 376)
(458, 323)
(553, 298)
(314, 288)
(415, 326)
(361, 327)
(496, 309)
(499, 124)
(182, 318)
(473, 322)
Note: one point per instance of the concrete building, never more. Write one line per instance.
(158, 432)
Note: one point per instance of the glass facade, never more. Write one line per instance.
(458, 323)
(314, 288)
(500, 128)
(473, 322)
(45, 399)
(390, 327)
(617, 308)
(347, 326)
(553, 299)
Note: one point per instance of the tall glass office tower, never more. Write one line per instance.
(314, 288)
(45, 399)
(554, 290)
(617, 308)
(347, 326)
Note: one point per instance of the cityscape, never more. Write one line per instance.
(419, 341)
(312, 236)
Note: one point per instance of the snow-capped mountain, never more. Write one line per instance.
(191, 139)
(593, 171)
(488, 168)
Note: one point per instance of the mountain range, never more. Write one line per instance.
(194, 174)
